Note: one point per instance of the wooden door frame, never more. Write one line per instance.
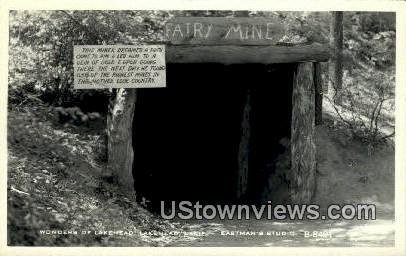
(305, 100)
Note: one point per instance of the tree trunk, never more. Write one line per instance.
(318, 85)
(336, 45)
(119, 140)
(303, 149)
(243, 153)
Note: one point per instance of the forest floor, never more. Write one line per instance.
(347, 174)
(55, 184)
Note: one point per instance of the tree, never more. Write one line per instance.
(336, 44)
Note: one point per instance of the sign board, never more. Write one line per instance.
(223, 30)
(119, 66)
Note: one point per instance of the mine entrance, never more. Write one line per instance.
(187, 136)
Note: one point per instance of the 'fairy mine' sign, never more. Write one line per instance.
(221, 31)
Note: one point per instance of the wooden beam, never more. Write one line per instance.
(119, 144)
(303, 149)
(243, 151)
(246, 54)
(318, 85)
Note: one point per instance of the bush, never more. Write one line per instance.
(367, 106)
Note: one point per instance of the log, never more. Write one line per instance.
(325, 77)
(303, 149)
(318, 85)
(243, 152)
(119, 142)
(246, 54)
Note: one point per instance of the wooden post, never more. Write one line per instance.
(119, 141)
(318, 85)
(243, 152)
(303, 149)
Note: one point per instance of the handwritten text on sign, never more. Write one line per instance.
(119, 66)
(225, 31)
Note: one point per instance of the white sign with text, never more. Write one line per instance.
(119, 66)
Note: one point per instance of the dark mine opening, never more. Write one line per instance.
(186, 136)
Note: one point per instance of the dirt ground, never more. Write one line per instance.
(348, 173)
(55, 183)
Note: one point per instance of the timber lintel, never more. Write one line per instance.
(242, 54)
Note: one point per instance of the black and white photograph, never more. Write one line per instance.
(201, 128)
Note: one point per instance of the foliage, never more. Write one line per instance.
(75, 115)
(368, 44)
(41, 48)
(367, 106)
(54, 183)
